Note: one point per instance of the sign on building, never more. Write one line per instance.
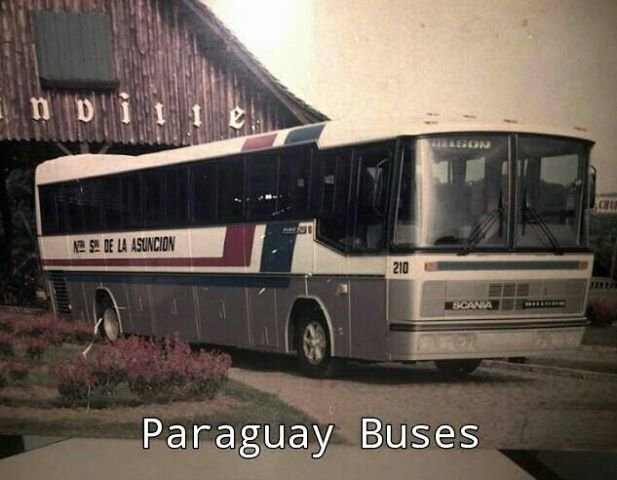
(606, 204)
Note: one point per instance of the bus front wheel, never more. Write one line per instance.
(314, 350)
(457, 368)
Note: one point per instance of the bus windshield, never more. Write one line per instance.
(459, 186)
(551, 175)
(454, 193)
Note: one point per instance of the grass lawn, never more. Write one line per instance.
(236, 404)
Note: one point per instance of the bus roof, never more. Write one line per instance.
(325, 135)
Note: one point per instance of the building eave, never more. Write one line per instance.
(303, 112)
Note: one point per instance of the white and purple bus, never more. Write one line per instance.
(406, 242)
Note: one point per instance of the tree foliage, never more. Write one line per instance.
(20, 273)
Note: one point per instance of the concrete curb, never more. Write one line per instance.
(551, 370)
(599, 348)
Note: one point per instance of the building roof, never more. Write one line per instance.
(300, 109)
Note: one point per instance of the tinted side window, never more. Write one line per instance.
(62, 204)
(177, 196)
(261, 192)
(330, 196)
(231, 188)
(131, 198)
(49, 209)
(73, 199)
(293, 184)
(92, 204)
(204, 193)
(113, 204)
(155, 198)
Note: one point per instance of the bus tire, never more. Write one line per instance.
(314, 348)
(111, 323)
(457, 368)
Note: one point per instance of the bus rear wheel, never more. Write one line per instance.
(457, 368)
(314, 348)
(111, 324)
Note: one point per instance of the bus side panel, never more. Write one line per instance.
(285, 298)
(329, 291)
(368, 318)
(78, 300)
(223, 314)
(173, 310)
(211, 314)
(262, 308)
(139, 307)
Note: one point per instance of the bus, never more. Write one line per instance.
(385, 242)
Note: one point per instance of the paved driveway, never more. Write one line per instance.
(513, 409)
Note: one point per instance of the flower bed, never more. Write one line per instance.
(144, 369)
(154, 371)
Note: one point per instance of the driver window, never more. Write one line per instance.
(372, 187)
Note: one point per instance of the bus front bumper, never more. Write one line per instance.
(408, 342)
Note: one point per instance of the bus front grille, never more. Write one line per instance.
(482, 298)
(60, 292)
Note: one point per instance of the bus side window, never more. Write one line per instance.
(92, 204)
(261, 190)
(61, 203)
(177, 196)
(112, 203)
(73, 205)
(231, 190)
(49, 209)
(330, 195)
(131, 198)
(204, 193)
(372, 187)
(155, 197)
(293, 179)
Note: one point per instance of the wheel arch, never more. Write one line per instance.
(100, 294)
(304, 303)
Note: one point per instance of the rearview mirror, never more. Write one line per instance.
(591, 195)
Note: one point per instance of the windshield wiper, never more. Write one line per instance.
(541, 224)
(483, 227)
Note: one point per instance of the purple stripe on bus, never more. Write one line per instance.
(237, 251)
(255, 143)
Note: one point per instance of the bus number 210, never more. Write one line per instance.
(401, 268)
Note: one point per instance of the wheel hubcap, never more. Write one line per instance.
(314, 343)
(110, 324)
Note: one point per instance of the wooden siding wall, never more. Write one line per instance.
(157, 58)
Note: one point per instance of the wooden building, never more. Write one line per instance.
(126, 77)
